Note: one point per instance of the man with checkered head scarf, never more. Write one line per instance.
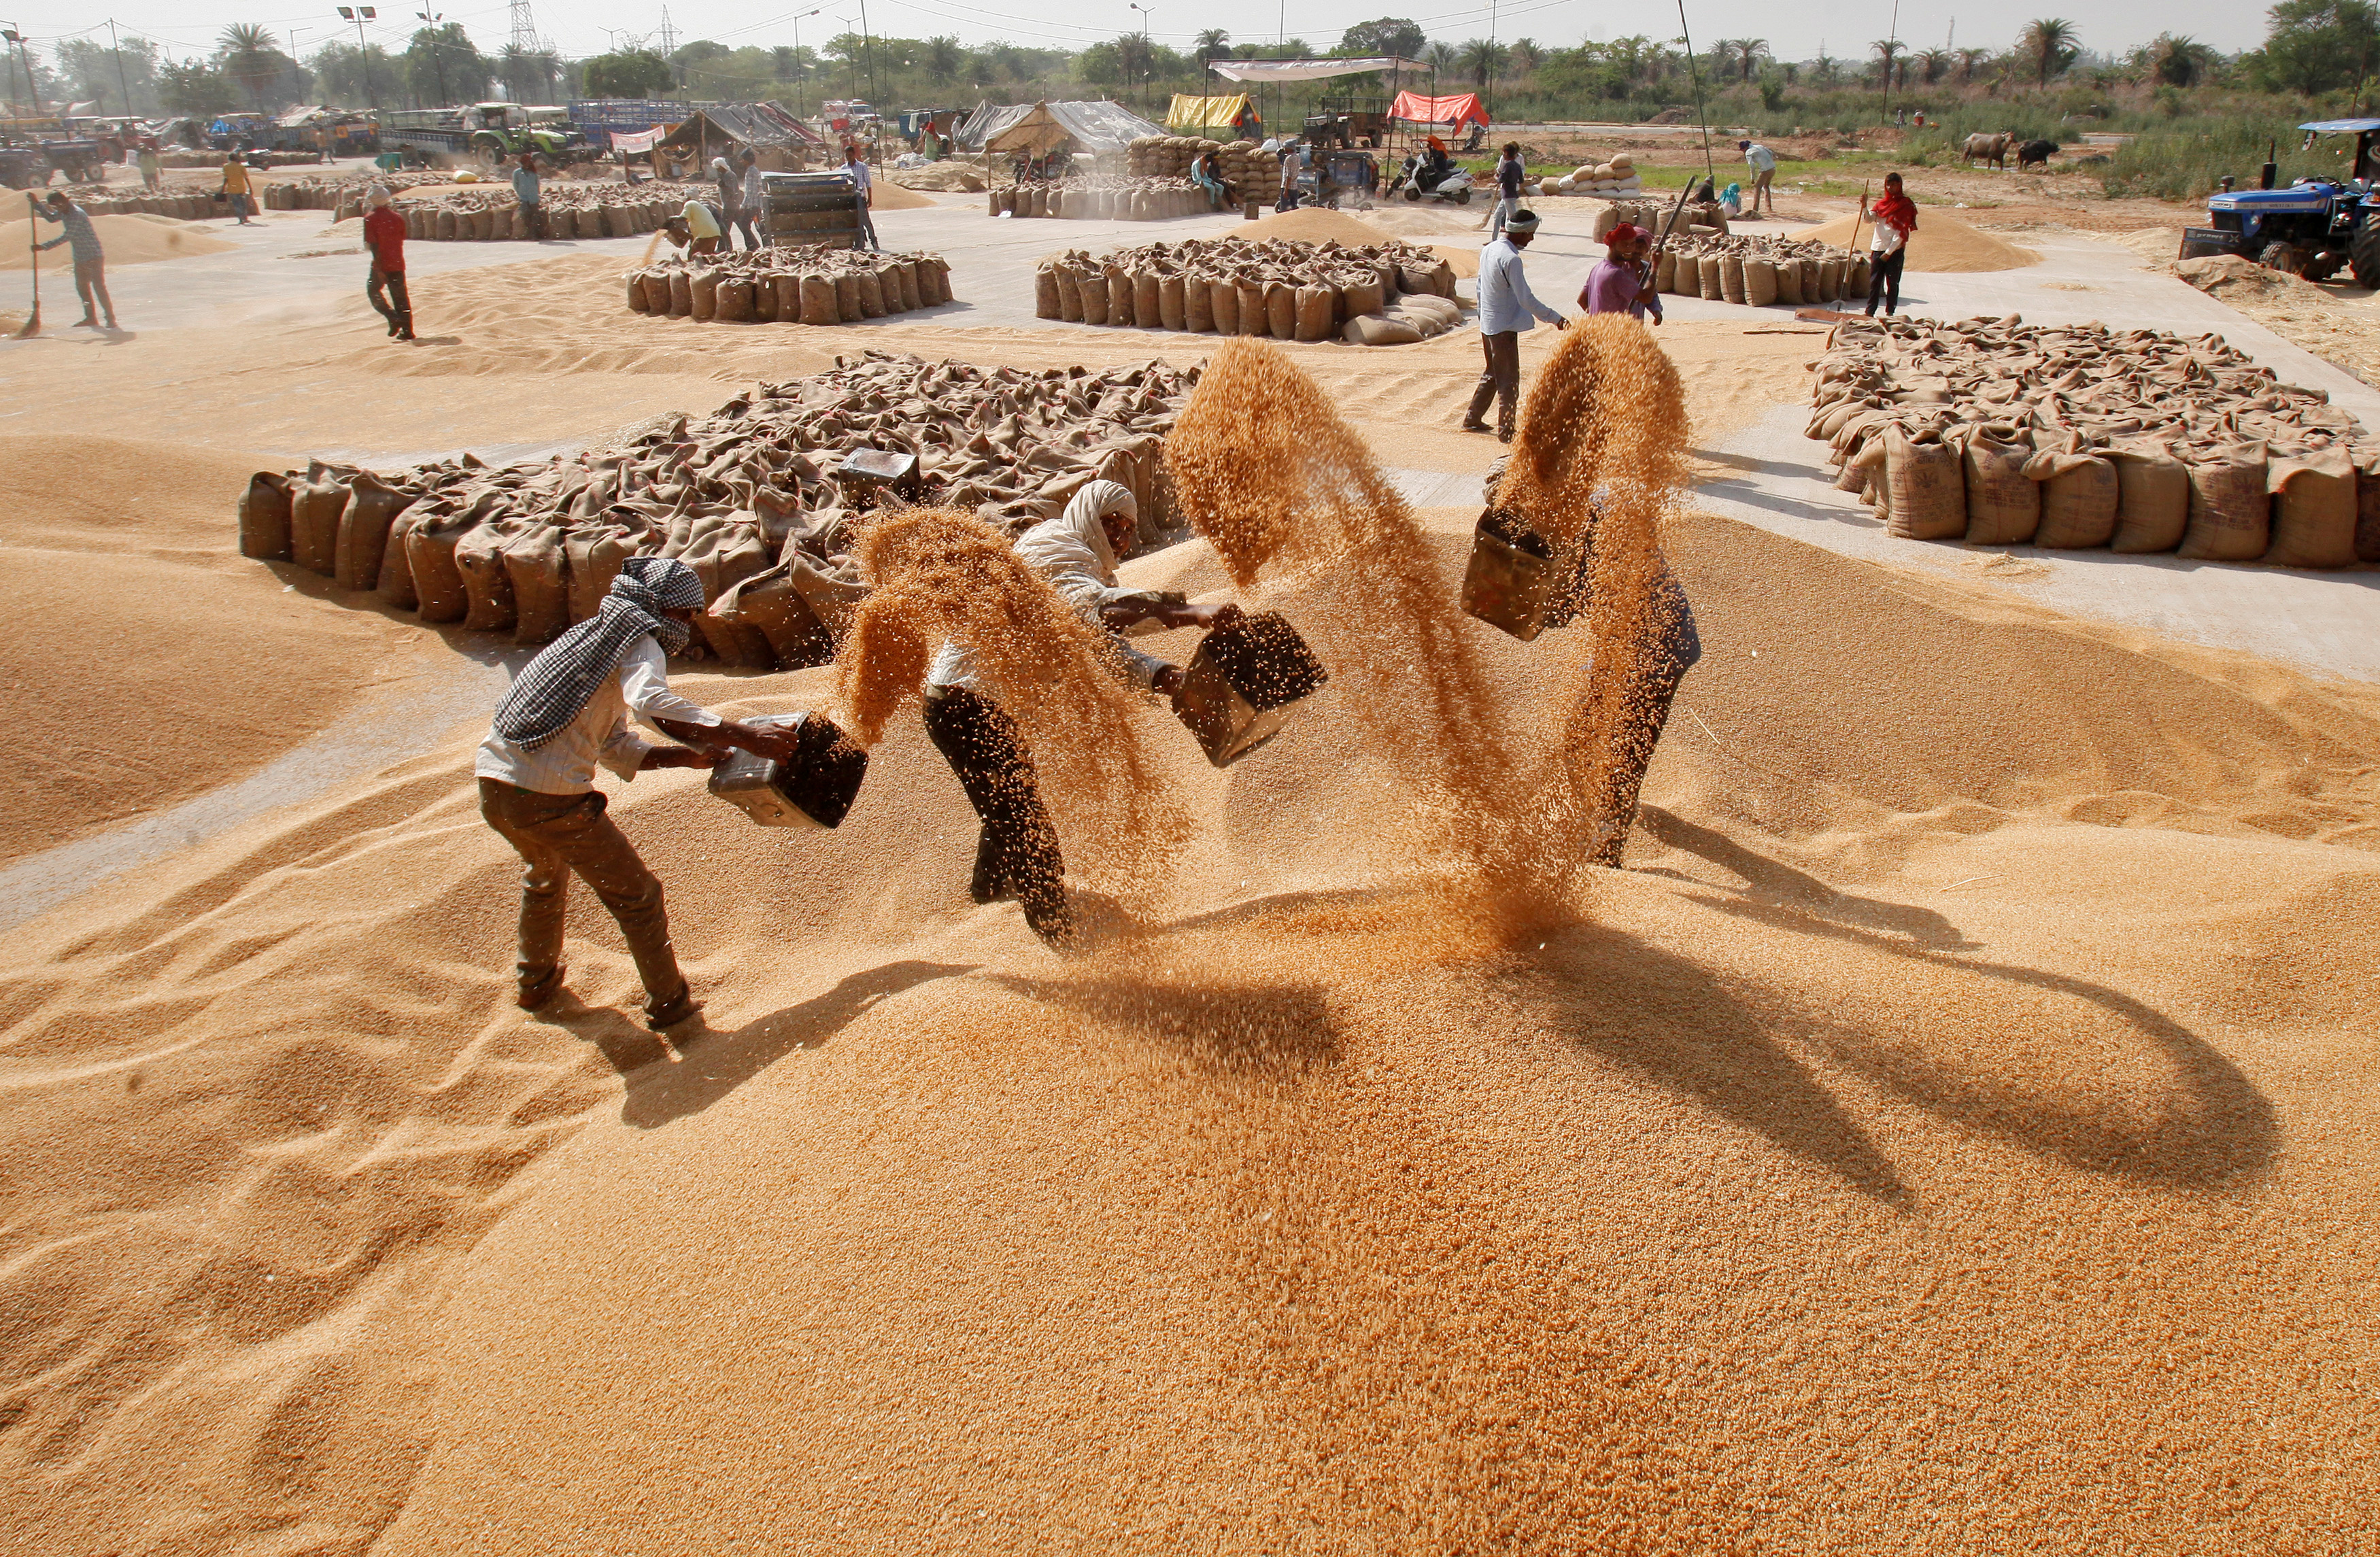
(567, 710)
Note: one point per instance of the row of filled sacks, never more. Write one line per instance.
(2000, 484)
(828, 292)
(1153, 298)
(499, 218)
(1143, 200)
(1244, 164)
(181, 208)
(1758, 279)
(342, 194)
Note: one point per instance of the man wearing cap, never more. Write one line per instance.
(1507, 307)
(1621, 281)
(1763, 163)
(567, 710)
(384, 286)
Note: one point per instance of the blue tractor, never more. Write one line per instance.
(2312, 229)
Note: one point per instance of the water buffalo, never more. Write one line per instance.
(1993, 149)
(2035, 153)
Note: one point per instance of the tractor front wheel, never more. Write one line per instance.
(2364, 255)
(2286, 257)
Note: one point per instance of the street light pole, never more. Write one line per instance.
(1147, 64)
(360, 14)
(437, 62)
(32, 90)
(116, 47)
(800, 112)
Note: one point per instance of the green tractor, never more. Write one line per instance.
(488, 134)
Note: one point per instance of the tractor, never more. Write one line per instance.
(2311, 229)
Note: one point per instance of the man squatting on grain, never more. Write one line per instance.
(567, 710)
(1017, 855)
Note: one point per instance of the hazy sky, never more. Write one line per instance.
(581, 28)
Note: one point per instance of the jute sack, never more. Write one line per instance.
(429, 555)
(1374, 329)
(593, 554)
(934, 280)
(484, 224)
(2003, 504)
(520, 225)
(1121, 297)
(681, 286)
(912, 291)
(1788, 280)
(784, 295)
(1223, 306)
(1315, 306)
(1172, 303)
(1759, 282)
(818, 301)
(1925, 494)
(2367, 505)
(395, 572)
(537, 567)
(1731, 277)
(733, 300)
(846, 297)
(1830, 280)
(705, 283)
(2313, 511)
(769, 604)
(1070, 293)
(1148, 301)
(1361, 297)
(1664, 272)
(1855, 275)
(1197, 305)
(2152, 499)
(637, 292)
(264, 518)
(1706, 270)
(2230, 511)
(487, 588)
(2078, 494)
(445, 230)
(1255, 317)
(1281, 310)
(314, 511)
(831, 599)
(363, 531)
(871, 294)
(888, 287)
(1093, 286)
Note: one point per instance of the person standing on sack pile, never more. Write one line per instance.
(235, 189)
(1622, 282)
(1507, 307)
(1763, 163)
(1017, 855)
(567, 710)
(753, 196)
(89, 261)
(863, 183)
(1510, 170)
(384, 285)
(1895, 215)
(530, 193)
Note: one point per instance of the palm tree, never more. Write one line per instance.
(1749, 53)
(1722, 56)
(1888, 55)
(943, 57)
(1526, 56)
(1968, 58)
(2180, 62)
(249, 56)
(1210, 43)
(2053, 45)
(1486, 60)
(1933, 65)
(1442, 57)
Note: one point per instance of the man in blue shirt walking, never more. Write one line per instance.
(1507, 307)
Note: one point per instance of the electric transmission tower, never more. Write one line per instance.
(525, 36)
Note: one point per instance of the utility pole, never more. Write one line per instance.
(360, 14)
(437, 60)
(1148, 66)
(116, 47)
(1891, 47)
(799, 68)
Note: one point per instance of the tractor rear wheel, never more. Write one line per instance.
(2364, 255)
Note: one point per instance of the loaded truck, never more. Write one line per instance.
(2312, 229)
(485, 135)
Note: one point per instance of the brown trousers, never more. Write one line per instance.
(557, 834)
(1501, 381)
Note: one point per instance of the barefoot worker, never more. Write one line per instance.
(1507, 307)
(89, 264)
(1622, 282)
(1017, 855)
(567, 710)
(384, 285)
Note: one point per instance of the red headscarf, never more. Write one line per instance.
(1625, 233)
(1895, 210)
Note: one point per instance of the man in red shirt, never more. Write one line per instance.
(384, 237)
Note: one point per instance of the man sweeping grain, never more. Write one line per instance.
(90, 262)
(1016, 852)
(385, 285)
(567, 710)
(1507, 307)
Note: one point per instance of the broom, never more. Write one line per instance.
(32, 212)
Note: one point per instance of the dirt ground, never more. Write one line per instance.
(1954, 1131)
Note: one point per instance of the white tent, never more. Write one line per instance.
(1307, 69)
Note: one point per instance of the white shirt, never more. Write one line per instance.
(755, 194)
(1505, 300)
(861, 176)
(1072, 551)
(566, 765)
(1761, 158)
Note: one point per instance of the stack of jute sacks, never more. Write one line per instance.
(2002, 433)
(1758, 270)
(571, 210)
(1618, 176)
(815, 283)
(1249, 171)
(1133, 200)
(343, 193)
(746, 497)
(1383, 293)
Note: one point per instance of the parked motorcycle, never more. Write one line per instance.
(1414, 181)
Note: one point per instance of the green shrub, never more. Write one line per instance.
(2188, 161)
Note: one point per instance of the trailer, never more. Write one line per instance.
(486, 134)
(601, 118)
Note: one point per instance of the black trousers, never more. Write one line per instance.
(534, 214)
(1016, 854)
(1884, 280)
(385, 291)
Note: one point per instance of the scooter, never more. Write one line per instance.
(1413, 182)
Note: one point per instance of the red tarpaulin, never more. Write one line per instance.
(1414, 108)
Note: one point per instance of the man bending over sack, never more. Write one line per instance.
(1017, 853)
(567, 710)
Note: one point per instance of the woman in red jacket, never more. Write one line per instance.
(384, 239)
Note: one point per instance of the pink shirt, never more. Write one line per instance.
(1615, 286)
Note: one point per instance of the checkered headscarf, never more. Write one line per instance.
(553, 689)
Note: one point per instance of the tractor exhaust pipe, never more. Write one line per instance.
(2272, 165)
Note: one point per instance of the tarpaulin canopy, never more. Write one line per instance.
(1092, 126)
(1414, 108)
(1307, 69)
(743, 124)
(1190, 112)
